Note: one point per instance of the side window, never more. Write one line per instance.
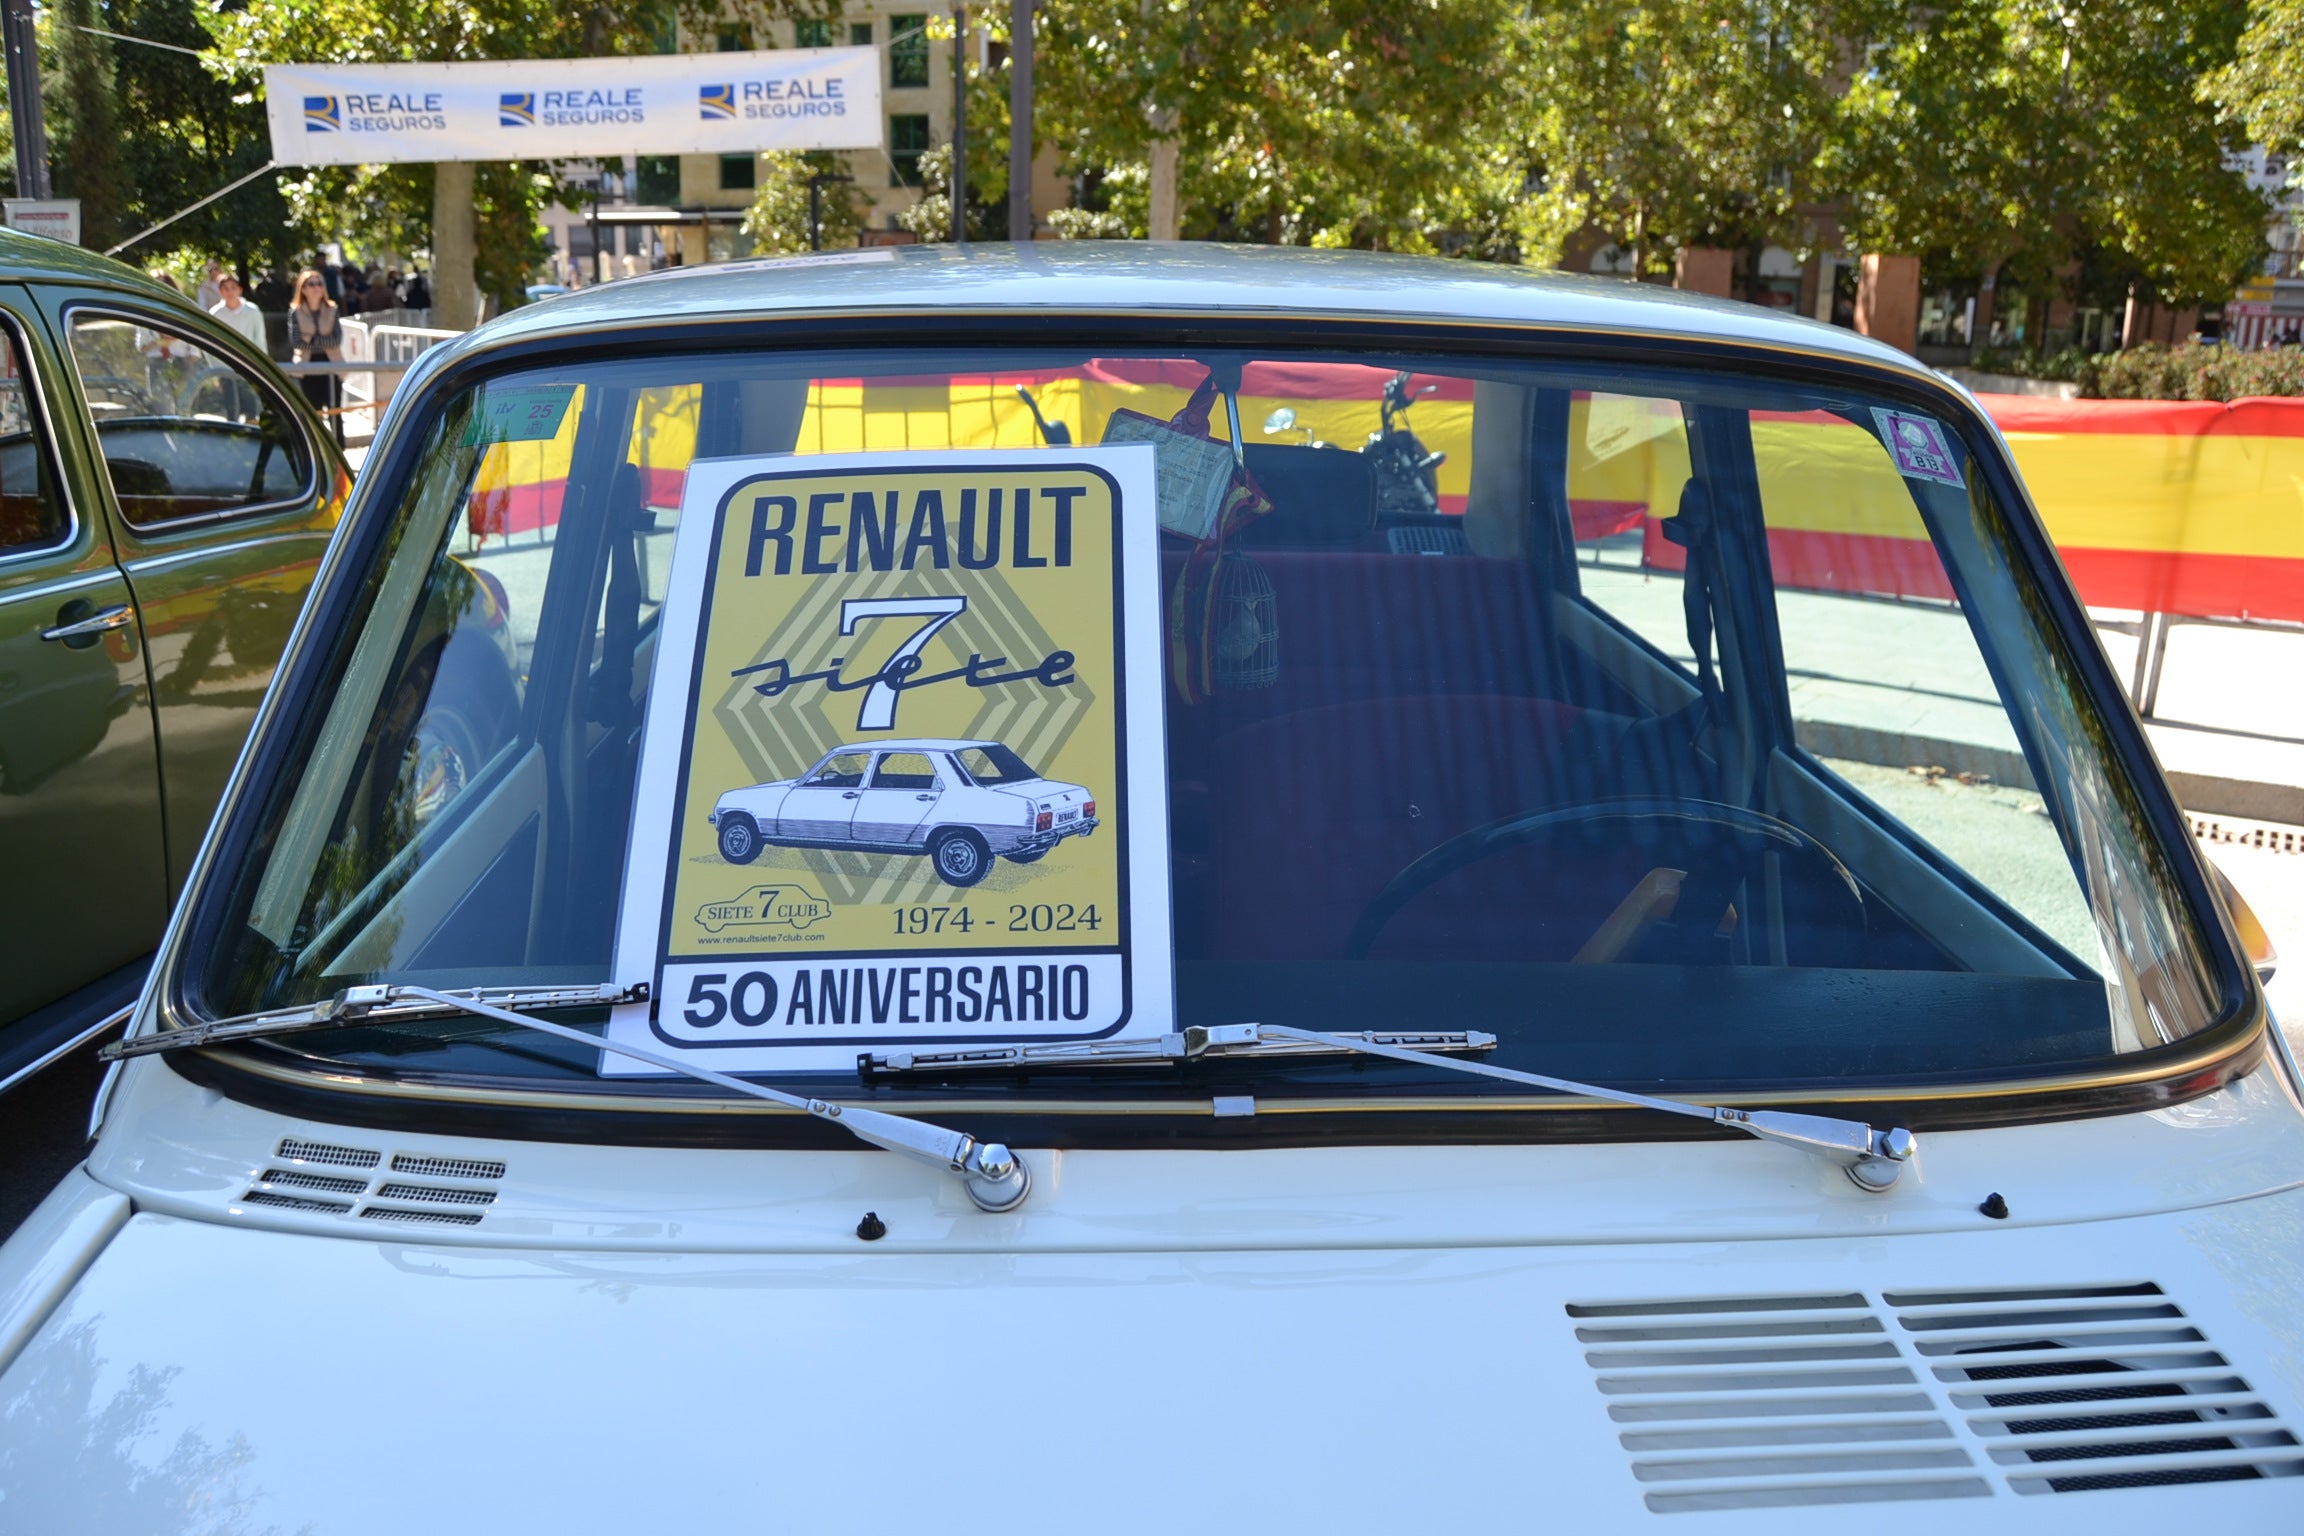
(846, 771)
(184, 432)
(904, 770)
(1628, 463)
(1888, 687)
(32, 514)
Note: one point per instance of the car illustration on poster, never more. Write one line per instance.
(962, 803)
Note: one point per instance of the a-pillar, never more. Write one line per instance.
(1888, 300)
(1705, 269)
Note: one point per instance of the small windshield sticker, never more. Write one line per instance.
(902, 780)
(528, 414)
(1918, 445)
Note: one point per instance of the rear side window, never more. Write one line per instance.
(185, 432)
(32, 512)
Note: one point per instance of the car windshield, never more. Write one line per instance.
(1695, 729)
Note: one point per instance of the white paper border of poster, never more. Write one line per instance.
(640, 919)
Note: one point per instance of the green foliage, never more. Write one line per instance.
(1674, 123)
(777, 221)
(195, 133)
(2193, 372)
(2020, 136)
(84, 126)
(2262, 87)
(1367, 123)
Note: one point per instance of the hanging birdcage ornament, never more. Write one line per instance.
(1243, 626)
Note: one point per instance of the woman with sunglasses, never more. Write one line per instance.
(315, 335)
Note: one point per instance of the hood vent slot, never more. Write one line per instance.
(296, 1203)
(2091, 1388)
(1770, 1402)
(294, 1151)
(363, 1191)
(435, 1194)
(447, 1167)
(444, 1218)
(288, 1178)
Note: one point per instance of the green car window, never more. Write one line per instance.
(185, 432)
(32, 512)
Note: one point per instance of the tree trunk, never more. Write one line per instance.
(455, 298)
(1166, 221)
(1020, 119)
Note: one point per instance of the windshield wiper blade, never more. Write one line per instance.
(1196, 1043)
(995, 1178)
(1872, 1158)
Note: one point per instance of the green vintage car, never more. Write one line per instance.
(164, 499)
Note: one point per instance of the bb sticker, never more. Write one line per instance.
(1918, 445)
(903, 780)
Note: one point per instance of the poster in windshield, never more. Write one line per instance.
(902, 778)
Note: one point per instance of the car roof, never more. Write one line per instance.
(34, 258)
(915, 744)
(1135, 277)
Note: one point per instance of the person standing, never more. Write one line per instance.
(237, 313)
(316, 335)
(211, 287)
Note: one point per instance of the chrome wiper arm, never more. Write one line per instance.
(1872, 1158)
(995, 1178)
(369, 1005)
(1196, 1043)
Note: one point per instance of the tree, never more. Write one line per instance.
(1665, 125)
(778, 221)
(86, 153)
(1352, 122)
(2025, 136)
(2262, 87)
(195, 134)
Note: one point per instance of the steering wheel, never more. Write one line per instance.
(1741, 834)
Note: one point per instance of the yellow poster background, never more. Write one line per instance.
(791, 903)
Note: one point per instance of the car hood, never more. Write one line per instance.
(261, 1380)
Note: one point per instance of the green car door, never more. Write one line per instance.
(223, 494)
(83, 872)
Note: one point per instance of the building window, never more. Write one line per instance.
(859, 34)
(738, 173)
(812, 32)
(658, 184)
(907, 51)
(732, 40)
(907, 142)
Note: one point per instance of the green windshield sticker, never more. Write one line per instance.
(530, 414)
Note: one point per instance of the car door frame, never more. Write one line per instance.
(36, 1039)
(151, 554)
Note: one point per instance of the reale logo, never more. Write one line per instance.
(516, 109)
(323, 114)
(716, 102)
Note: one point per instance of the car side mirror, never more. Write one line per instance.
(2254, 941)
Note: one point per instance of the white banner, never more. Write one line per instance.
(572, 109)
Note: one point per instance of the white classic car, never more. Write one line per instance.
(1582, 1081)
(962, 803)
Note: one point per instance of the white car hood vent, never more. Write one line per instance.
(364, 1185)
(1771, 1401)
